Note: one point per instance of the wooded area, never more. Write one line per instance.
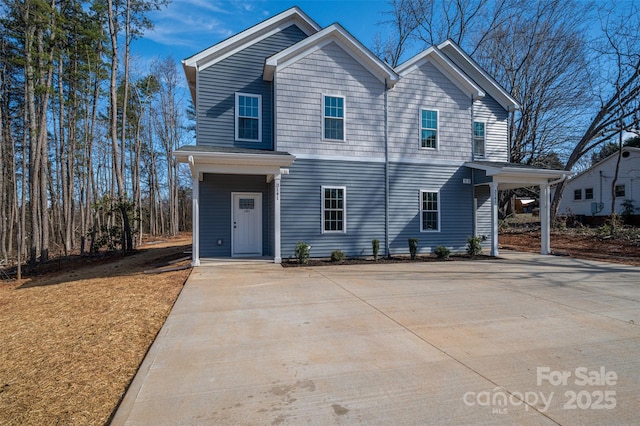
(87, 138)
(87, 134)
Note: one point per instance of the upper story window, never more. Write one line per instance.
(588, 193)
(577, 194)
(248, 117)
(333, 118)
(334, 218)
(429, 129)
(620, 192)
(478, 138)
(429, 211)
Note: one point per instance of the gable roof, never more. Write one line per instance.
(474, 71)
(334, 33)
(248, 37)
(445, 66)
(632, 150)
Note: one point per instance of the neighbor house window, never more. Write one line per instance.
(248, 117)
(429, 129)
(577, 194)
(334, 209)
(619, 190)
(588, 193)
(333, 118)
(429, 211)
(478, 138)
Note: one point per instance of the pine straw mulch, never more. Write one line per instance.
(72, 340)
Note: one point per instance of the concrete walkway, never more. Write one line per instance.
(526, 339)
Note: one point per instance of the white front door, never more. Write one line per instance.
(246, 224)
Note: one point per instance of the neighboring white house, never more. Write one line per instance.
(590, 192)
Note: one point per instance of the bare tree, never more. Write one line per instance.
(619, 94)
(167, 123)
(538, 55)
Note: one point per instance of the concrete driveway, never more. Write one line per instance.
(525, 339)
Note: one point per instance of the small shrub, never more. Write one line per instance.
(337, 256)
(302, 252)
(442, 252)
(413, 247)
(474, 247)
(376, 249)
(604, 231)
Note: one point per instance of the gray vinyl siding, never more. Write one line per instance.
(456, 206)
(215, 211)
(301, 207)
(427, 88)
(496, 138)
(480, 176)
(330, 71)
(483, 213)
(241, 72)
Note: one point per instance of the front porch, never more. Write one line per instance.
(239, 190)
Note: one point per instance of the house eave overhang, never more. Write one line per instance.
(236, 43)
(268, 163)
(509, 176)
(334, 33)
(445, 66)
(453, 51)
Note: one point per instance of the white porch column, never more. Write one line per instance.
(494, 218)
(195, 221)
(545, 219)
(277, 256)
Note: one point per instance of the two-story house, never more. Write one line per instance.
(304, 135)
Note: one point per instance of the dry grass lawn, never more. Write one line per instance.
(71, 341)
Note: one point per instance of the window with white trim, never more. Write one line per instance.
(248, 117)
(577, 194)
(620, 191)
(428, 128)
(333, 117)
(429, 211)
(588, 193)
(478, 138)
(334, 216)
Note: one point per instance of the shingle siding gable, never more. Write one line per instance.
(496, 137)
(241, 72)
(426, 87)
(332, 71)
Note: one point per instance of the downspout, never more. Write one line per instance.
(274, 111)
(386, 169)
(474, 225)
(557, 181)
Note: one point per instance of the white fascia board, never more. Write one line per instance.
(336, 34)
(496, 91)
(517, 172)
(251, 36)
(446, 67)
(234, 159)
(412, 63)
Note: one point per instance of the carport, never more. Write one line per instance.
(501, 176)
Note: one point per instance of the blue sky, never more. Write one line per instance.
(186, 27)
